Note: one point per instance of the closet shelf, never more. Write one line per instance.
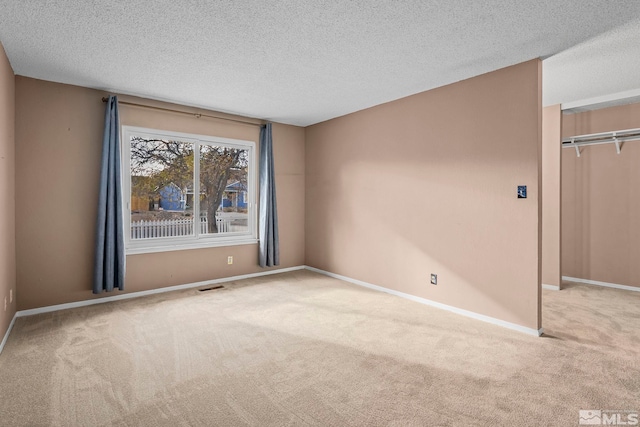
(616, 137)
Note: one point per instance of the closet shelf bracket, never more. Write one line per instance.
(617, 142)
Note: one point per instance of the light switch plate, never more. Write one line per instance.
(522, 191)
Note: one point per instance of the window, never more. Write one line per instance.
(186, 191)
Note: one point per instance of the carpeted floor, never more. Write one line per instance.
(303, 349)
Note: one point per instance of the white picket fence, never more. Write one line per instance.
(174, 227)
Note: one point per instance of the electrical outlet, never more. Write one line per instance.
(229, 260)
(434, 279)
(10, 296)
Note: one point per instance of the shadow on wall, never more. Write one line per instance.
(397, 216)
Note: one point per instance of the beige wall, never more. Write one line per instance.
(7, 193)
(393, 193)
(601, 200)
(551, 184)
(58, 145)
(427, 184)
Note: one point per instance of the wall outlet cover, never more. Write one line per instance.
(434, 279)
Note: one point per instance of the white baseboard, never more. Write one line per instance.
(456, 310)
(598, 283)
(84, 303)
(6, 336)
(431, 303)
(551, 287)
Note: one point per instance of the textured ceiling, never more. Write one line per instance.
(598, 72)
(302, 62)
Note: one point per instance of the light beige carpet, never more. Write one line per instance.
(303, 349)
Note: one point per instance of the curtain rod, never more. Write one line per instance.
(197, 115)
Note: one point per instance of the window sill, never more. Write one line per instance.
(189, 246)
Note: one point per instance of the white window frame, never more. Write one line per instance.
(162, 244)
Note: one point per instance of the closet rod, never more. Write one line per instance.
(569, 144)
(615, 137)
(603, 137)
(197, 115)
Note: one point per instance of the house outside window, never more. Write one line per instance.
(184, 191)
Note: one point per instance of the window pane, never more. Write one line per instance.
(223, 189)
(161, 188)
